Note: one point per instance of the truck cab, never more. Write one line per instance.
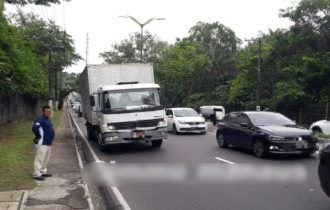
(129, 112)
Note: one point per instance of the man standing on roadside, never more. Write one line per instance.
(44, 135)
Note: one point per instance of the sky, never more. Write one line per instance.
(100, 20)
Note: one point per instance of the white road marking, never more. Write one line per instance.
(226, 161)
(120, 198)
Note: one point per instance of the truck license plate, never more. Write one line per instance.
(138, 134)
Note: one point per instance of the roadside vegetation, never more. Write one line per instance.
(214, 66)
(17, 154)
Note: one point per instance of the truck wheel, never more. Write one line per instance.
(157, 143)
(100, 143)
(90, 133)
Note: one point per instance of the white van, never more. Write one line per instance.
(208, 111)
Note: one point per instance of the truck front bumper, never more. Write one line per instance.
(128, 136)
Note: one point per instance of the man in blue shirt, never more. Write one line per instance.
(44, 135)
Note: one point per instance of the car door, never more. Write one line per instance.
(244, 131)
(230, 129)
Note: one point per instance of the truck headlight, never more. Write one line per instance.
(276, 138)
(111, 127)
(162, 123)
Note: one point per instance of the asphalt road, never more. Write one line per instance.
(207, 177)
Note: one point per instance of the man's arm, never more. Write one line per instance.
(35, 129)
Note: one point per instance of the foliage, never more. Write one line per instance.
(220, 44)
(37, 2)
(128, 50)
(180, 72)
(20, 68)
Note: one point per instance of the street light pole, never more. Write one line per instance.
(141, 26)
(258, 74)
(258, 107)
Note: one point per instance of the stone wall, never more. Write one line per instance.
(19, 107)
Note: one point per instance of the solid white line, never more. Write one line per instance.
(116, 191)
(226, 161)
(120, 198)
(96, 158)
(80, 163)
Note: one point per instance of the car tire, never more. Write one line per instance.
(175, 131)
(221, 141)
(259, 149)
(316, 130)
(157, 143)
(324, 171)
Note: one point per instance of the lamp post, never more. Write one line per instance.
(258, 107)
(141, 26)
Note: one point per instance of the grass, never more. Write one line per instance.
(17, 154)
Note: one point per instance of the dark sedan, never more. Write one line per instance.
(264, 133)
(324, 169)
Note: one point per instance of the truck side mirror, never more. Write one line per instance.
(92, 100)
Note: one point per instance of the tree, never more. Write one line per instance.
(20, 68)
(220, 44)
(180, 71)
(37, 2)
(54, 46)
(127, 51)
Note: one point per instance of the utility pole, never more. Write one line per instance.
(258, 107)
(141, 26)
(87, 43)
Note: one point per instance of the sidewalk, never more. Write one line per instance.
(62, 191)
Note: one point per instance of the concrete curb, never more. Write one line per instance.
(111, 200)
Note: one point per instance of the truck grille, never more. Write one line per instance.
(132, 125)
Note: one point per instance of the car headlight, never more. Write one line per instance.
(162, 123)
(111, 127)
(182, 122)
(276, 138)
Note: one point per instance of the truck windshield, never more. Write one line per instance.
(133, 99)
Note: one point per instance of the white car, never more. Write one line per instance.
(321, 126)
(180, 120)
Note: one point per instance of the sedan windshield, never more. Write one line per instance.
(269, 118)
(185, 113)
(131, 99)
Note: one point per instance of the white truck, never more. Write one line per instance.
(121, 104)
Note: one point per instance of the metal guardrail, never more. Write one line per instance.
(111, 200)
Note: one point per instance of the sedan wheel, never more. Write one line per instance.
(221, 141)
(259, 149)
(175, 131)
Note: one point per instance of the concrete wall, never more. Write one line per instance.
(19, 107)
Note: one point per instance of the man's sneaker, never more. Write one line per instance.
(39, 178)
(46, 175)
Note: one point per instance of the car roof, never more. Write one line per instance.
(181, 108)
(255, 112)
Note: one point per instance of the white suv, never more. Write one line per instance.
(180, 120)
(321, 126)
